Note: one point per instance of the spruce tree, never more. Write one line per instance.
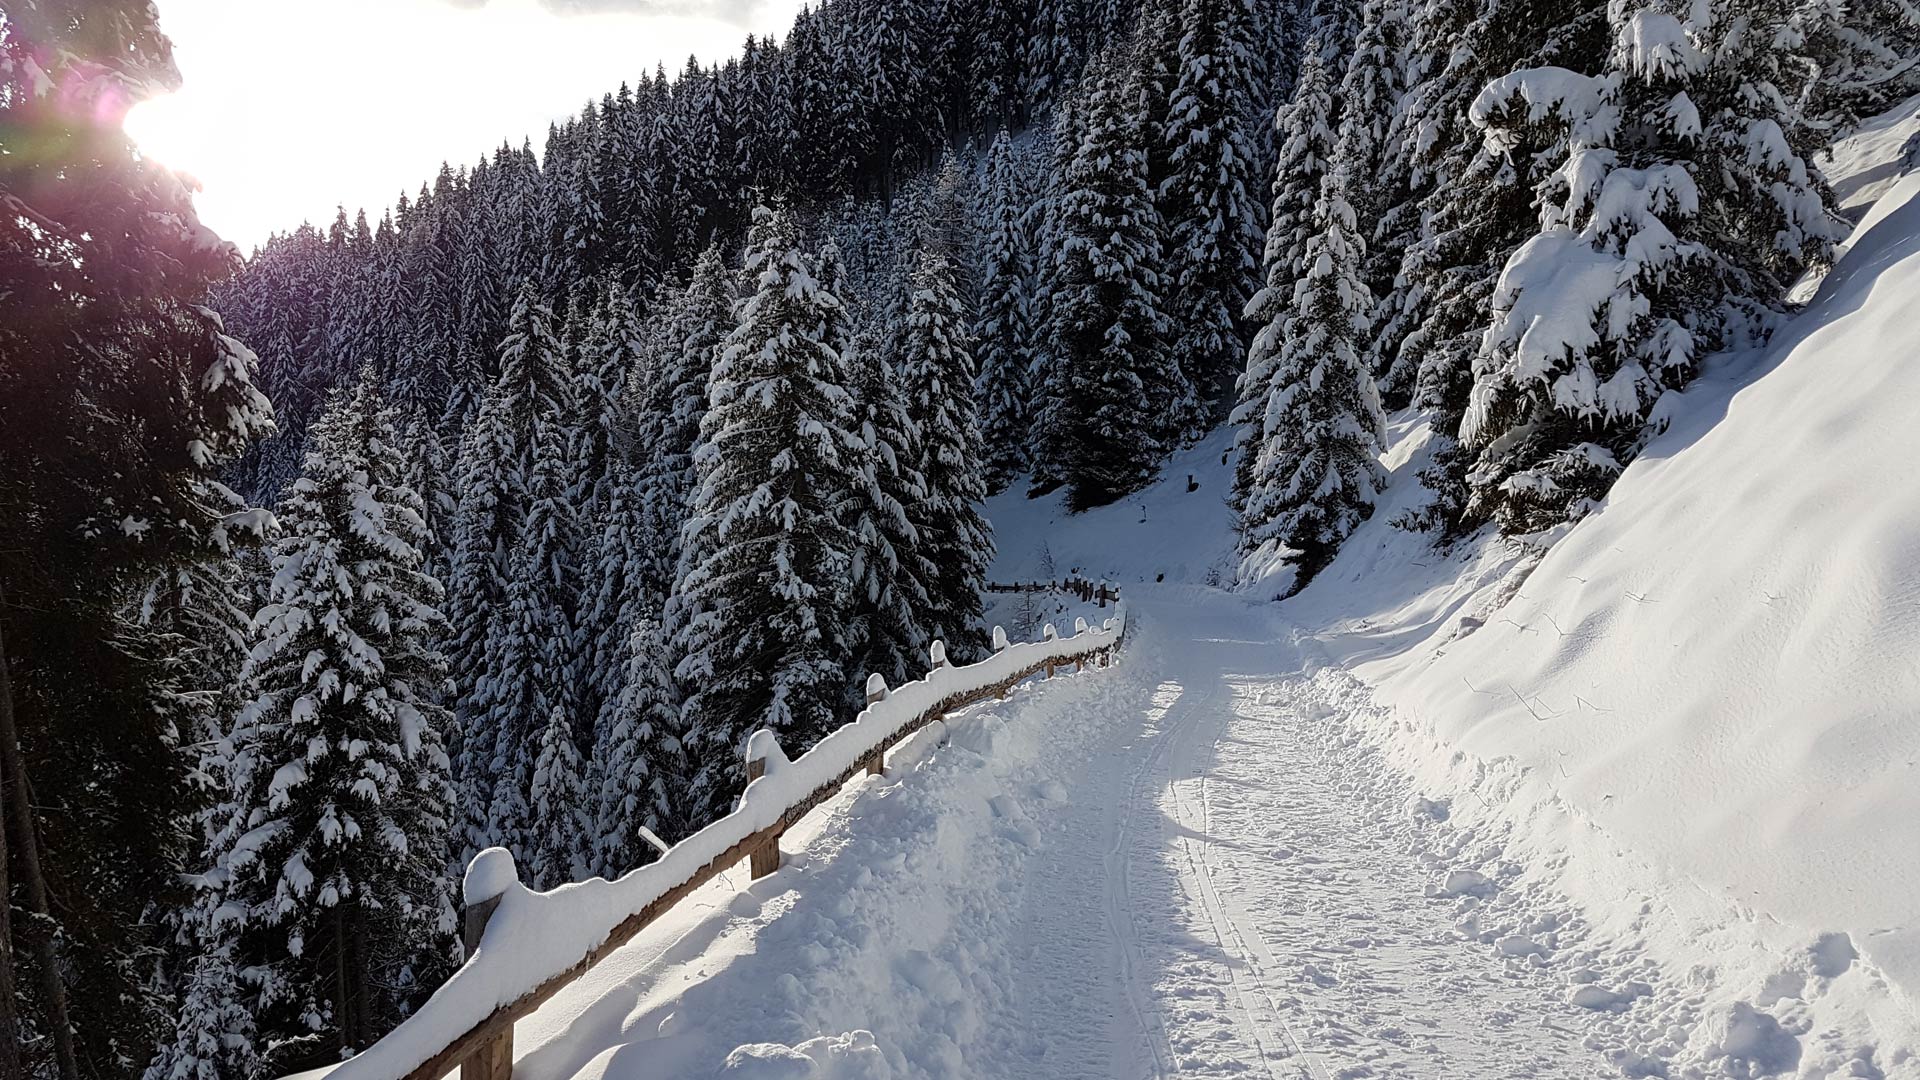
(1004, 327)
(122, 399)
(1213, 221)
(1369, 94)
(492, 500)
(637, 756)
(1307, 148)
(1047, 389)
(892, 570)
(1316, 470)
(560, 836)
(762, 637)
(532, 647)
(1474, 207)
(1118, 389)
(696, 323)
(1682, 202)
(937, 376)
(331, 870)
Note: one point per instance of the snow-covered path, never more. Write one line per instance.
(1185, 866)
(1248, 910)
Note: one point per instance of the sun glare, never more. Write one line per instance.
(167, 129)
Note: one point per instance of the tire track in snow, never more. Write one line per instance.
(1243, 942)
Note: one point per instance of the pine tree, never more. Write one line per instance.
(892, 570)
(215, 1035)
(697, 322)
(1213, 222)
(761, 636)
(1306, 151)
(1369, 94)
(532, 648)
(1118, 388)
(937, 376)
(561, 834)
(1316, 471)
(1047, 389)
(1678, 220)
(607, 357)
(535, 377)
(1004, 326)
(338, 834)
(1474, 207)
(636, 756)
(122, 399)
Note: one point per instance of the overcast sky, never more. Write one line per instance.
(291, 107)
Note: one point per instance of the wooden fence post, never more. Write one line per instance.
(493, 1059)
(764, 859)
(877, 693)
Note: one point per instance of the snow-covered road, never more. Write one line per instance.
(1186, 866)
(1249, 907)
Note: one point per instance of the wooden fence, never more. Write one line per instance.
(1099, 593)
(468, 1023)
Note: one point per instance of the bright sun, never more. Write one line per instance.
(169, 130)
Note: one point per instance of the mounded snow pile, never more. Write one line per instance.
(1698, 715)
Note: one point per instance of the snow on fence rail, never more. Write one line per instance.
(1099, 592)
(524, 946)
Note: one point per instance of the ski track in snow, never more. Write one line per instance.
(1264, 919)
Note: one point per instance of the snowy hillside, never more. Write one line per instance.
(1694, 715)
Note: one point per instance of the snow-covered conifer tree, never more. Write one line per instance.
(1369, 97)
(1673, 228)
(636, 756)
(937, 376)
(761, 604)
(338, 832)
(492, 492)
(1003, 327)
(561, 814)
(1208, 199)
(1116, 389)
(1306, 150)
(1047, 389)
(1316, 470)
(532, 648)
(697, 321)
(1471, 207)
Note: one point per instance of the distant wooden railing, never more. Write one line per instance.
(1099, 593)
(511, 971)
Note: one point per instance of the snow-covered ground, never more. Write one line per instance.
(1645, 803)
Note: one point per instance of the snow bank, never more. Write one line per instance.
(1166, 532)
(533, 936)
(1699, 712)
(1865, 165)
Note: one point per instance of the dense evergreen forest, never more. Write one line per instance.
(582, 465)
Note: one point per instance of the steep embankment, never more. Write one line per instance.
(1697, 716)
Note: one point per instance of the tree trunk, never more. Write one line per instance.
(9, 1003)
(342, 995)
(19, 813)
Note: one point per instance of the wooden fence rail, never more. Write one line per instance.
(524, 947)
(1100, 593)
